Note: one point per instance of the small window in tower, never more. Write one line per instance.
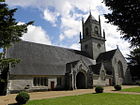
(87, 31)
(99, 45)
(96, 30)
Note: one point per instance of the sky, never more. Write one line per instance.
(58, 22)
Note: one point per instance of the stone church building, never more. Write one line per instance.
(46, 67)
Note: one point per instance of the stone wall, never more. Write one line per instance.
(126, 78)
(18, 83)
(98, 81)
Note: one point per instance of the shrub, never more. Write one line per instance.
(22, 97)
(138, 83)
(117, 87)
(99, 89)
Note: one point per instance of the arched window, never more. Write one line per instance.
(96, 30)
(120, 69)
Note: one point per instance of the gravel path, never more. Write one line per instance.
(5, 100)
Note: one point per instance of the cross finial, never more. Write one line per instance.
(89, 10)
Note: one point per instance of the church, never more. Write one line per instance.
(46, 67)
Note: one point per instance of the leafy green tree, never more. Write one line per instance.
(126, 15)
(134, 57)
(10, 33)
(134, 63)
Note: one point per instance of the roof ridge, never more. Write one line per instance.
(48, 45)
(106, 55)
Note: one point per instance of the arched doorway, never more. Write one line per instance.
(80, 81)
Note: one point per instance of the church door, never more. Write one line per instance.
(52, 85)
(80, 81)
(110, 82)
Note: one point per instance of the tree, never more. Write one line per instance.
(134, 57)
(126, 15)
(134, 63)
(10, 33)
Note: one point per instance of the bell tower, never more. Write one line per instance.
(92, 41)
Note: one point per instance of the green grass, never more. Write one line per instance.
(136, 89)
(91, 99)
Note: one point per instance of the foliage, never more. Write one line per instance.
(134, 57)
(91, 99)
(2, 0)
(4, 63)
(10, 32)
(135, 89)
(117, 87)
(138, 83)
(22, 97)
(99, 89)
(126, 15)
(134, 63)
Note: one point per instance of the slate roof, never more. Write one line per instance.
(90, 18)
(40, 59)
(96, 68)
(106, 56)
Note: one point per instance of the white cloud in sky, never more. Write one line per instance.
(113, 38)
(51, 16)
(69, 27)
(36, 34)
(75, 46)
(70, 24)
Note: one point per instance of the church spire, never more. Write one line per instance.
(92, 41)
(103, 33)
(80, 36)
(100, 26)
(90, 18)
(83, 26)
(90, 12)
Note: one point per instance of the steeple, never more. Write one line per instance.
(90, 18)
(100, 26)
(92, 27)
(103, 33)
(92, 41)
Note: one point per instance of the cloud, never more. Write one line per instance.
(69, 28)
(75, 46)
(70, 13)
(36, 34)
(113, 38)
(51, 16)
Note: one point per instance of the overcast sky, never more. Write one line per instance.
(58, 22)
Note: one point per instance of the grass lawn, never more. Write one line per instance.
(136, 89)
(91, 99)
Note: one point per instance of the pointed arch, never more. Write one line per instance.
(120, 70)
(81, 81)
